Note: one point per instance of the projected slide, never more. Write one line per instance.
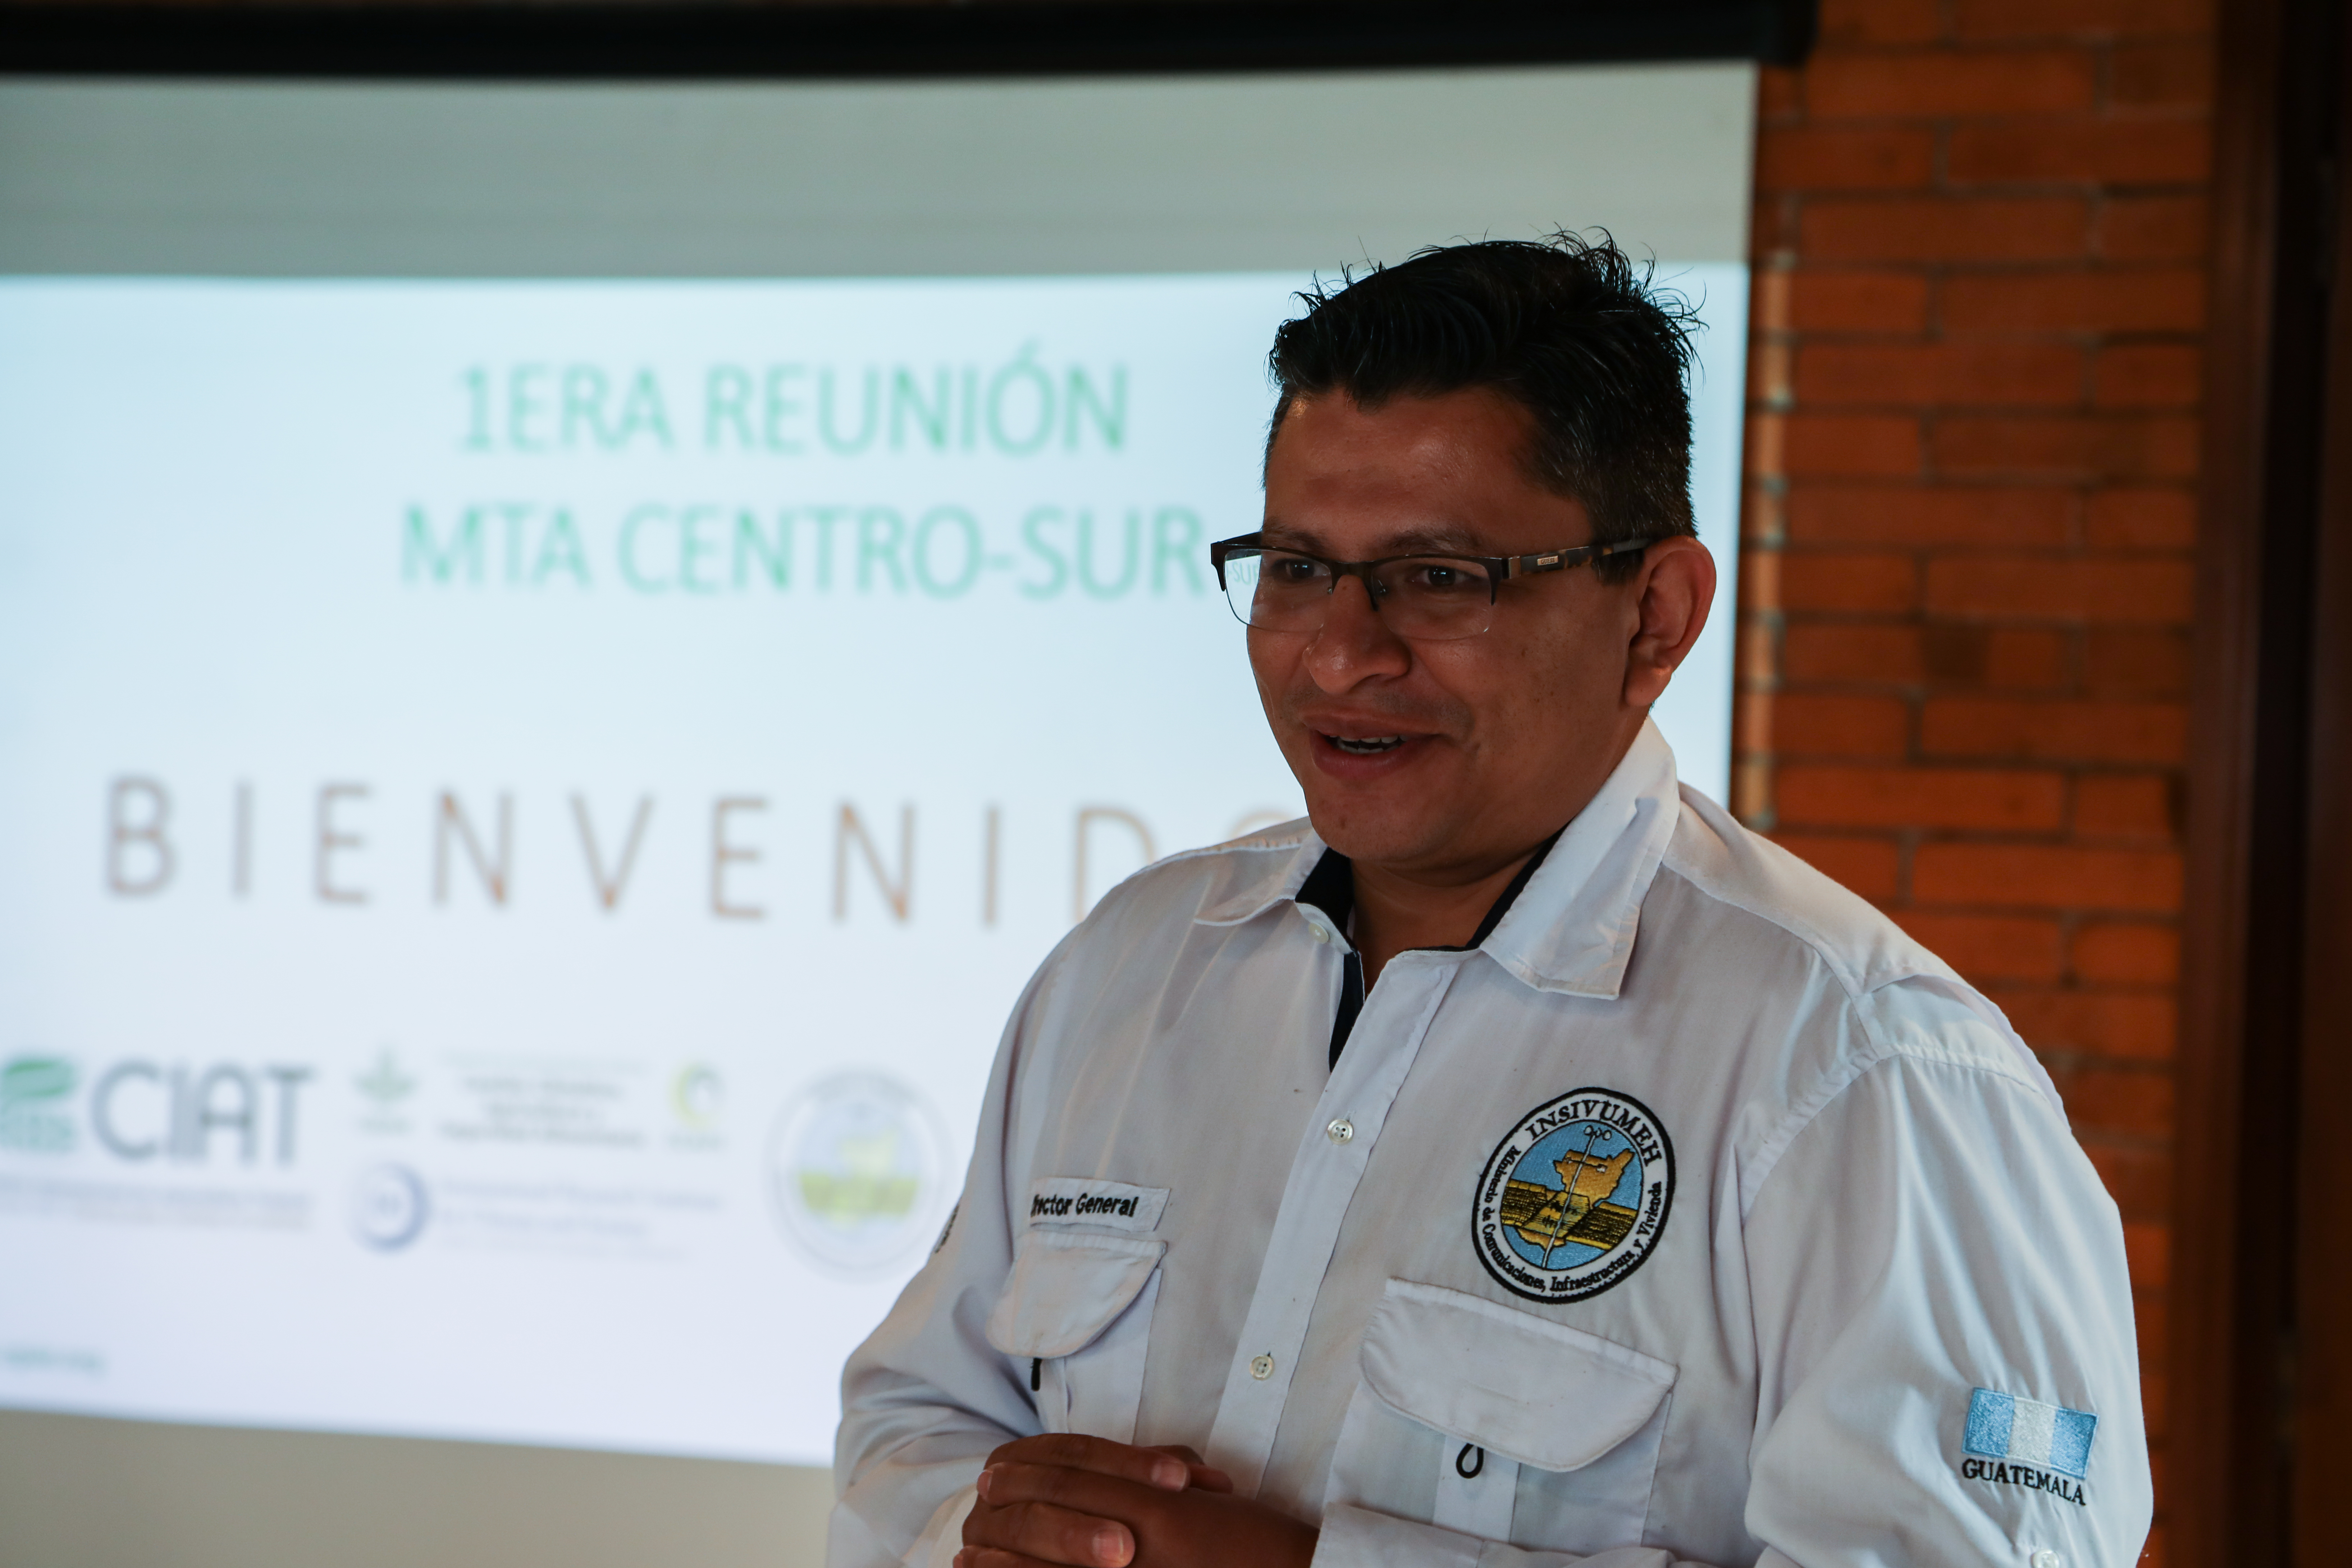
(525, 807)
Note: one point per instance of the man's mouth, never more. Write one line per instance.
(1370, 746)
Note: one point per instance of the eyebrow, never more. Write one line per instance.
(1431, 539)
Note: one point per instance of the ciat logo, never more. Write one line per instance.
(141, 1110)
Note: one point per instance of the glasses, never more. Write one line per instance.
(1431, 598)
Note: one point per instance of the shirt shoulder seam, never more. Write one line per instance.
(1831, 1085)
(1856, 986)
(1811, 941)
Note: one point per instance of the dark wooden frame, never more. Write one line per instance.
(635, 39)
(2258, 1293)
(2321, 1389)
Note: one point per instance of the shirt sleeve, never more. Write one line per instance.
(1946, 1365)
(926, 1398)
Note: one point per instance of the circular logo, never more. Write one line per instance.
(697, 1094)
(1576, 1197)
(389, 1207)
(854, 1169)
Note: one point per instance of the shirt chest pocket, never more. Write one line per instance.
(1076, 1314)
(1499, 1424)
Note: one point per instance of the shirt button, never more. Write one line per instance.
(1344, 1130)
(2045, 1558)
(1320, 934)
(1262, 1368)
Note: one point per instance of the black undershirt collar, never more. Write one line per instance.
(1331, 887)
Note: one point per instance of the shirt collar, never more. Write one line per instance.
(1572, 928)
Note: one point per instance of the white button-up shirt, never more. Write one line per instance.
(1697, 1214)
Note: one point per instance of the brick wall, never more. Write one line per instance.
(1972, 449)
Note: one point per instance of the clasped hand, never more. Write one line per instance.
(1073, 1502)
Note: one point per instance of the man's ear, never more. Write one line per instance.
(1673, 592)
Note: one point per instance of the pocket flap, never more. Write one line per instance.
(1065, 1288)
(1538, 1392)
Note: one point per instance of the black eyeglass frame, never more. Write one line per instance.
(1499, 568)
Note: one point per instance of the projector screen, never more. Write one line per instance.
(564, 652)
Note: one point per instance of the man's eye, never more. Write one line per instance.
(1290, 569)
(1437, 577)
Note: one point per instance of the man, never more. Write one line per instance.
(1517, 1161)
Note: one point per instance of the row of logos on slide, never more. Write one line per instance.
(853, 1165)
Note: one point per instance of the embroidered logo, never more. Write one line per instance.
(2020, 1442)
(1576, 1197)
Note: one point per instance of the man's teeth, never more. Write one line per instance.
(1371, 747)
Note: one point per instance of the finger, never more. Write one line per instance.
(1204, 1475)
(1100, 1456)
(996, 1557)
(1050, 1534)
(1083, 1492)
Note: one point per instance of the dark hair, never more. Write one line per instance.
(1569, 330)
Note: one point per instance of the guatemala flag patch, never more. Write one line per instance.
(2028, 1432)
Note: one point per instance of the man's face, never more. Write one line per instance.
(1497, 738)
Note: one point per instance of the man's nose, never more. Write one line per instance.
(1355, 644)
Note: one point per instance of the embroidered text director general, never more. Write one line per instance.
(1517, 1161)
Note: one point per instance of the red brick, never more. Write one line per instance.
(2057, 877)
(2151, 1320)
(2141, 519)
(1760, 581)
(1945, 229)
(2135, 1025)
(2106, 300)
(1867, 866)
(1917, 373)
(2106, 152)
(1987, 948)
(1817, 726)
(2019, 20)
(1857, 301)
(2005, 658)
(1758, 658)
(2149, 375)
(2148, 1248)
(1860, 583)
(2130, 445)
(2110, 1100)
(1932, 85)
(2150, 228)
(2023, 588)
(2167, 75)
(2121, 663)
(1846, 159)
(1913, 515)
(1856, 655)
(1861, 444)
(2138, 1179)
(2125, 806)
(1982, 798)
(2019, 660)
(1779, 93)
(1768, 380)
(1765, 451)
(1751, 723)
(2055, 731)
(1846, 22)
(2121, 954)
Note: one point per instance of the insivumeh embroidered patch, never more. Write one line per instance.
(1575, 1198)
